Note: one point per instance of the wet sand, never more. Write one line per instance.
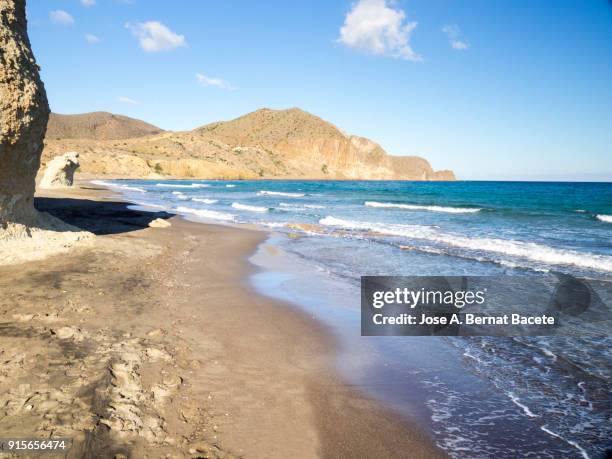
(151, 342)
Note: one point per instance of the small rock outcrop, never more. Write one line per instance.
(24, 112)
(60, 171)
(159, 223)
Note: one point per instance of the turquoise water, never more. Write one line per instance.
(552, 394)
(466, 226)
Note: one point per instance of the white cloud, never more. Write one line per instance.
(217, 82)
(454, 37)
(91, 38)
(153, 36)
(460, 45)
(88, 2)
(376, 27)
(61, 17)
(127, 100)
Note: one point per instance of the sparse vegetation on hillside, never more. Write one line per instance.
(262, 144)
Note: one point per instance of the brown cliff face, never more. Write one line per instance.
(262, 144)
(317, 149)
(23, 116)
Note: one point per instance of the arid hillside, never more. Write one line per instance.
(263, 144)
(98, 126)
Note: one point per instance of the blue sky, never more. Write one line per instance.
(490, 89)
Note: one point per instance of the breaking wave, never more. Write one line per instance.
(237, 205)
(302, 206)
(179, 185)
(205, 213)
(118, 186)
(605, 218)
(450, 210)
(526, 250)
(180, 195)
(280, 193)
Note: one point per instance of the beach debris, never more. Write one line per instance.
(60, 171)
(159, 223)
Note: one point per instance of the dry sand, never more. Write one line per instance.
(150, 342)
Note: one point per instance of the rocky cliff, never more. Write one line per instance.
(23, 119)
(262, 144)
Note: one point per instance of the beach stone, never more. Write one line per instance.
(24, 112)
(155, 354)
(159, 223)
(60, 171)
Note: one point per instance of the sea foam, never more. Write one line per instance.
(526, 250)
(118, 186)
(179, 185)
(605, 218)
(205, 213)
(237, 205)
(280, 193)
(205, 200)
(180, 195)
(450, 210)
(300, 207)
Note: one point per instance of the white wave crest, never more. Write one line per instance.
(237, 205)
(180, 195)
(526, 250)
(179, 185)
(300, 207)
(118, 186)
(280, 193)
(205, 213)
(229, 185)
(450, 210)
(605, 218)
(205, 200)
(522, 406)
(582, 451)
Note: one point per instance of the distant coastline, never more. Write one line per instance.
(265, 144)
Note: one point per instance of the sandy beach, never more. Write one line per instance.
(151, 342)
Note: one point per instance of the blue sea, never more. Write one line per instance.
(477, 397)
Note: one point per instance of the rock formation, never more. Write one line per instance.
(24, 112)
(159, 223)
(25, 234)
(60, 171)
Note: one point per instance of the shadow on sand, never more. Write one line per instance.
(98, 217)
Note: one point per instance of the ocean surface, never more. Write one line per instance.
(478, 397)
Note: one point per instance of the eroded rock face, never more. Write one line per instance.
(24, 112)
(60, 171)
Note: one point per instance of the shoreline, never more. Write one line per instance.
(259, 371)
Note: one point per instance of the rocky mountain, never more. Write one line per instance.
(263, 144)
(98, 126)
